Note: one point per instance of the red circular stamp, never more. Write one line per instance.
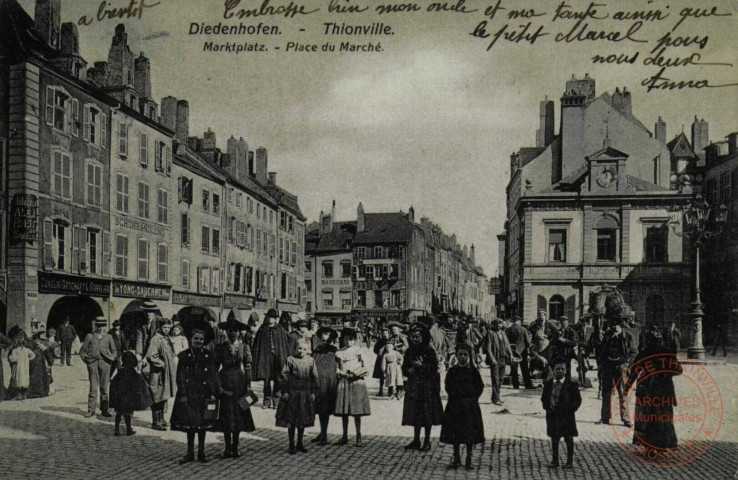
(674, 409)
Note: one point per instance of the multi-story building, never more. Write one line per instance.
(98, 212)
(329, 268)
(141, 181)
(55, 144)
(590, 206)
(720, 254)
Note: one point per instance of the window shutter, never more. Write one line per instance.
(734, 184)
(570, 308)
(75, 248)
(68, 116)
(105, 254)
(75, 117)
(179, 189)
(48, 249)
(190, 182)
(49, 106)
(85, 124)
(103, 130)
(229, 277)
(83, 251)
(168, 160)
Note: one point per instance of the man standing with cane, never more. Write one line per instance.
(98, 352)
(65, 336)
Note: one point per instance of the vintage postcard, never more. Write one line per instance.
(368, 239)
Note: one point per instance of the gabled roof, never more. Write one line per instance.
(338, 239)
(607, 152)
(607, 98)
(679, 146)
(570, 183)
(285, 200)
(385, 228)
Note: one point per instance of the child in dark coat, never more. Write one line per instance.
(561, 400)
(462, 420)
(129, 392)
(324, 354)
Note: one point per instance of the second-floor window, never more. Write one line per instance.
(93, 242)
(185, 230)
(143, 200)
(606, 244)
(163, 206)
(185, 274)
(216, 204)
(59, 244)
(216, 241)
(62, 175)
(94, 184)
(656, 243)
(327, 269)
(345, 270)
(143, 150)
(557, 245)
(57, 106)
(121, 193)
(162, 260)
(123, 139)
(205, 240)
(206, 200)
(121, 256)
(143, 259)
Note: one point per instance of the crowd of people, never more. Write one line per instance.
(310, 369)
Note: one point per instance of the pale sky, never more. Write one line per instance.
(429, 122)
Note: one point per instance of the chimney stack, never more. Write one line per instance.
(545, 132)
(261, 165)
(360, 218)
(660, 129)
(169, 113)
(333, 213)
(621, 101)
(273, 178)
(47, 20)
(732, 143)
(183, 121)
(700, 137)
(472, 256)
(208, 140)
(411, 214)
(142, 76)
(69, 39)
(69, 59)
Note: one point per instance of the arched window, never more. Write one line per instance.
(654, 310)
(556, 307)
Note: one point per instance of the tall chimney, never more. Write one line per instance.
(69, 39)
(660, 129)
(573, 104)
(700, 137)
(333, 214)
(273, 178)
(142, 76)
(183, 121)
(360, 218)
(622, 101)
(70, 60)
(120, 59)
(472, 256)
(411, 214)
(545, 132)
(732, 143)
(208, 141)
(48, 21)
(261, 165)
(169, 113)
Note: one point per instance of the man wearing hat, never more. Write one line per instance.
(519, 338)
(146, 332)
(162, 373)
(438, 339)
(271, 349)
(499, 353)
(98, 352)
(617, 351)
(121, 345)
(65, 335)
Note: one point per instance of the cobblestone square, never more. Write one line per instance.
(49, 437)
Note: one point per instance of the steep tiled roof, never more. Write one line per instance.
(680, 147)
(338, 239)
(286, 200)
(385, 228)
(608, 99)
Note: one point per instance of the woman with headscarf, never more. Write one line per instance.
(162, 373)
(270, 352)
(654, 425)
(422, 408)
(233, 357)
(327, 365)
(197, 389)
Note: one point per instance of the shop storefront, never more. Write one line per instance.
(80, 299)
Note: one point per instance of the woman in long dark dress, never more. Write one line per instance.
(422, 408)
(384, 338)
(325, 361)
(462, 420)
(197, 385)
(651, 429)
(234, 359)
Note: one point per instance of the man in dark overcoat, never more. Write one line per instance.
(65, 335)
(561, 399)
(498, 352)
(98, 352)
(520, 338)
(270, 352)
(617, 352)
(564, 343)
(672, 336)
(121, 345)
(146, 332)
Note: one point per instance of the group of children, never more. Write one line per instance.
(331, 382)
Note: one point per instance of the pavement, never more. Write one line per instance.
(48, 437)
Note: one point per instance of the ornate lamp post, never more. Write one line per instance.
(699, 225)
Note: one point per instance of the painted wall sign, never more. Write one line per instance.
(140, 290)
(72, 285)
(23, 219)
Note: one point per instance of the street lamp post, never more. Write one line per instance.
(699, 226)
